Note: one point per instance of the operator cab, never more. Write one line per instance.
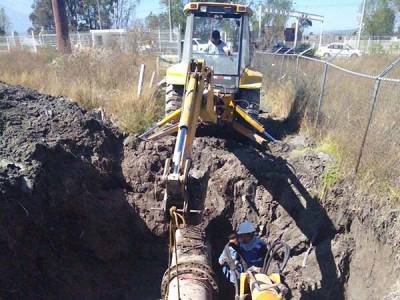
(231, 21)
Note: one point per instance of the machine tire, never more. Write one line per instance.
(173, 98)
(249, 100)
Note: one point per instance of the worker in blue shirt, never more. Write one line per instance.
(230, 260)
(252, 248)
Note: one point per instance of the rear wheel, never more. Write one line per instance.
(249, 100)
(173, 98)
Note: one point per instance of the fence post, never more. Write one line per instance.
(321, 94)
(153, 75)
(8, 45)
(378, 80)
(40, 39)
(157, 65)
(34, 42)
(92, 35)
(79, 40)
(369, 46)
(140, 81)
(159, 39)
(179, 44)
(282, 63)
(121, 41)
(371, 111)
(297, 70)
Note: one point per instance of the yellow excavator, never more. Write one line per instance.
(212, 84)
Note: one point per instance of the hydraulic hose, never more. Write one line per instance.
(272, 251)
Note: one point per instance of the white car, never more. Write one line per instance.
(198, 45)
(338, 50)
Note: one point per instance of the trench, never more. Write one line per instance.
(76, 218)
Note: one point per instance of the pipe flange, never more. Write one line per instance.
(203, 272)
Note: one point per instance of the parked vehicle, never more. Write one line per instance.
(339, 50)
(199, 45)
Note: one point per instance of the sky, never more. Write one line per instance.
(339, 14)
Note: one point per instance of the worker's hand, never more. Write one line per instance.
(227, 51)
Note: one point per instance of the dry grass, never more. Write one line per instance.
(375, 64)
(344, 115)
(92, 78)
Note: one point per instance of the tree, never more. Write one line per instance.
(123, 11)
(42, 16)
(178, 18)
(272, 26)
(379, 17)
(4, 22)
(155, 22)
(396, 4)
(84, 14)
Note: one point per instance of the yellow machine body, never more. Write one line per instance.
(206, 101)
(249, 79)
(176, 74)
(259, 286)
(239, 8)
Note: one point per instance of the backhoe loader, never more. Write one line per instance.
(208, 87)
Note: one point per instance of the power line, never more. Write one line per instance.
(328, 5)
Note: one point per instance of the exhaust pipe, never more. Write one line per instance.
(190, 276)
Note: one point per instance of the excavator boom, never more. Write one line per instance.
(201, 103)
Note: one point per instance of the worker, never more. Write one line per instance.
(216, 45)
(230, 260)
(252, 248)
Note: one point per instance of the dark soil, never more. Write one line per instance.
(76, 197)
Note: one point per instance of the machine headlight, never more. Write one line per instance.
(203, 8)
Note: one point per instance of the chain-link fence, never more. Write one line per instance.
(375, 44)
(360, 112)
(159, 41)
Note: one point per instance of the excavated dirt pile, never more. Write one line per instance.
(76, 198)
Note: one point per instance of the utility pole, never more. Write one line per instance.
(259, 20)
(170, 20)
(296, 33)
(98, 13)
(60, 20)
(361, 24)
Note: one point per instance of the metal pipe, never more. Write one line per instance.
(194, 272)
